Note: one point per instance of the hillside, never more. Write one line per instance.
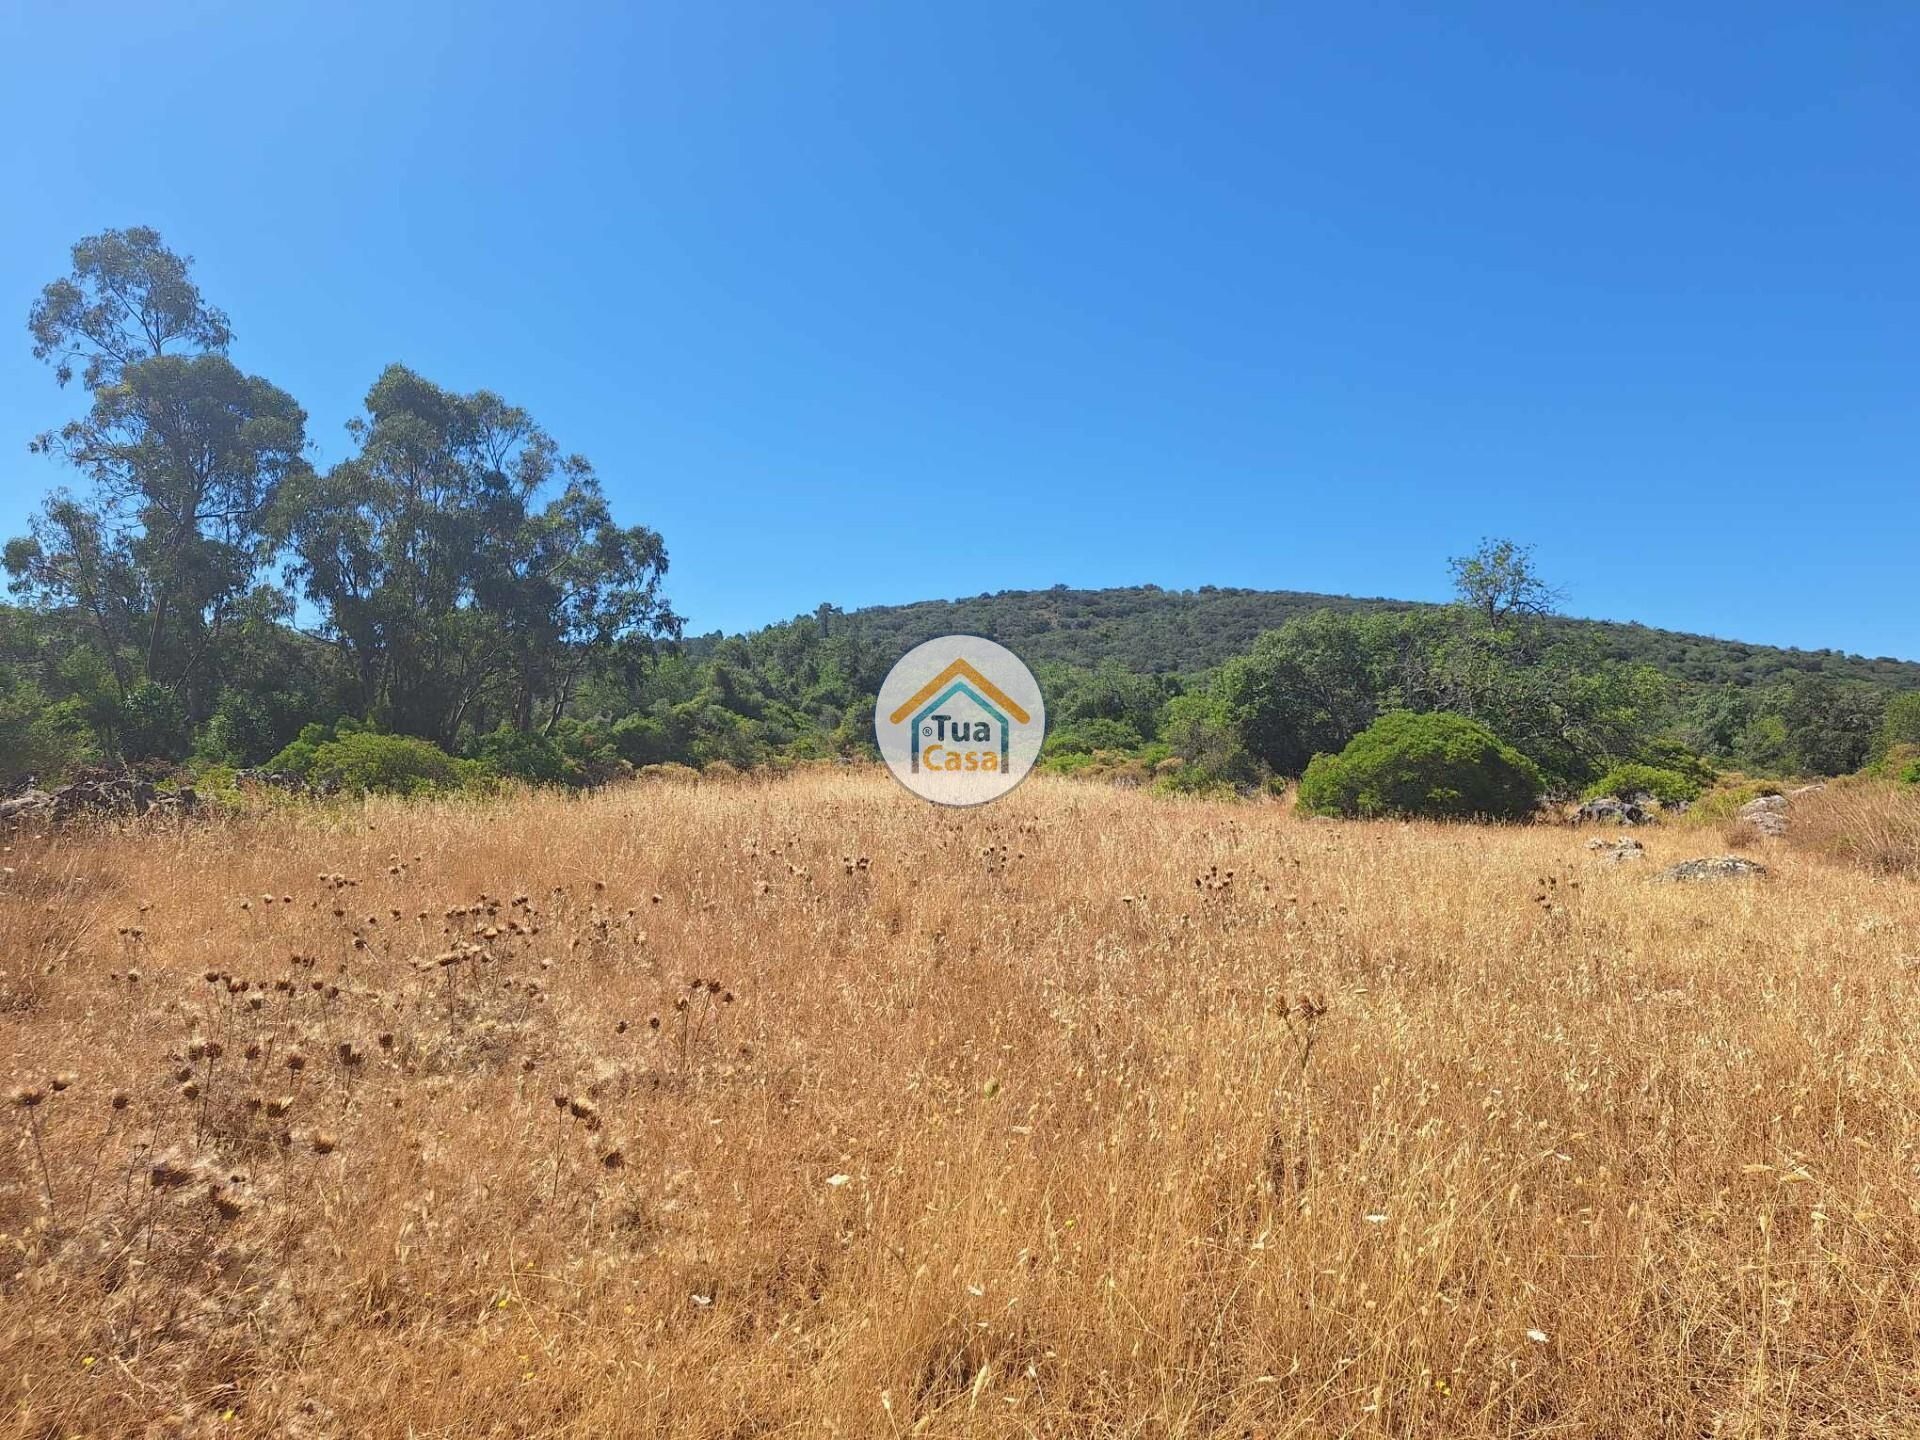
(1155, 631)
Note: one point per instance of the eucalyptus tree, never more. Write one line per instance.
(183, 455)
(457, 584)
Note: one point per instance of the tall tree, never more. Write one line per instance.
(1309, 687)
(184, 454)
(128, 299)
(1499, 584)
(446, 583)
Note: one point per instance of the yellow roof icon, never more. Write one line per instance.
(961, 667)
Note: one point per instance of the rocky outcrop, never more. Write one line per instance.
(1613, 852)
(1712, 867)
(127, 796)
(1767, 814)
(287, 780)
(1611, 810)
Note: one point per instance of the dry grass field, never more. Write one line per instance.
(803, 1108)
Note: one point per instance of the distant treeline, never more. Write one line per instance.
(1152, 631)
(455, 600)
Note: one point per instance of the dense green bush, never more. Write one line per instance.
(525, 755)
(38, 738)
(1438, 765)
(152, 724)
(1901, 723)
(1902, 763)
(1085, 737)
(391, 764)
(1675, 755)
(1729, 794)
(1669, 787)
(296, 757)
(240, 731)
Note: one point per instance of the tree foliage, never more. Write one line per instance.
(460, 579)
(1435, 766)
(455, 593)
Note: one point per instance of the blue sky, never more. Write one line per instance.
(871, 303)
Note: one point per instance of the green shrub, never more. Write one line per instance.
(590, 755)
(390, 764)
(525, 755)
(1130, 768)
(1729, 795)
(218, 785)
(1675, 756)
(38, 738)
(1085, 737)
(1894, 764)
(240, 731)
(298, 755)
(1437, 765)
(152, 724)
(1669, 787)
(1900, 726)
(1182, 779)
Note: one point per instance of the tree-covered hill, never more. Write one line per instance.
(1148, 630)
(455, 600)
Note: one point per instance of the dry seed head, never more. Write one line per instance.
(169, 1172)
(65, 1080)
(324, 1142)
(27, 1096)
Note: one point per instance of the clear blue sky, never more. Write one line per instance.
(880, 302)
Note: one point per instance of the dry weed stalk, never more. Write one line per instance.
(1079, 1114)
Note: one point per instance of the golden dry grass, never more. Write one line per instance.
(1015, 1124)
(1863, 822)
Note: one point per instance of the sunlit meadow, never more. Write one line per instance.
(804, 1108)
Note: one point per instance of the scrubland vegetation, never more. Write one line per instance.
(800, 1107)
(453, 603)
(569, 1034)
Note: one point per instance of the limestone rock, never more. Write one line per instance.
(1712, 867)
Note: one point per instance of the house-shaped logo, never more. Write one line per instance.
(959, 708)
(959, 720)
